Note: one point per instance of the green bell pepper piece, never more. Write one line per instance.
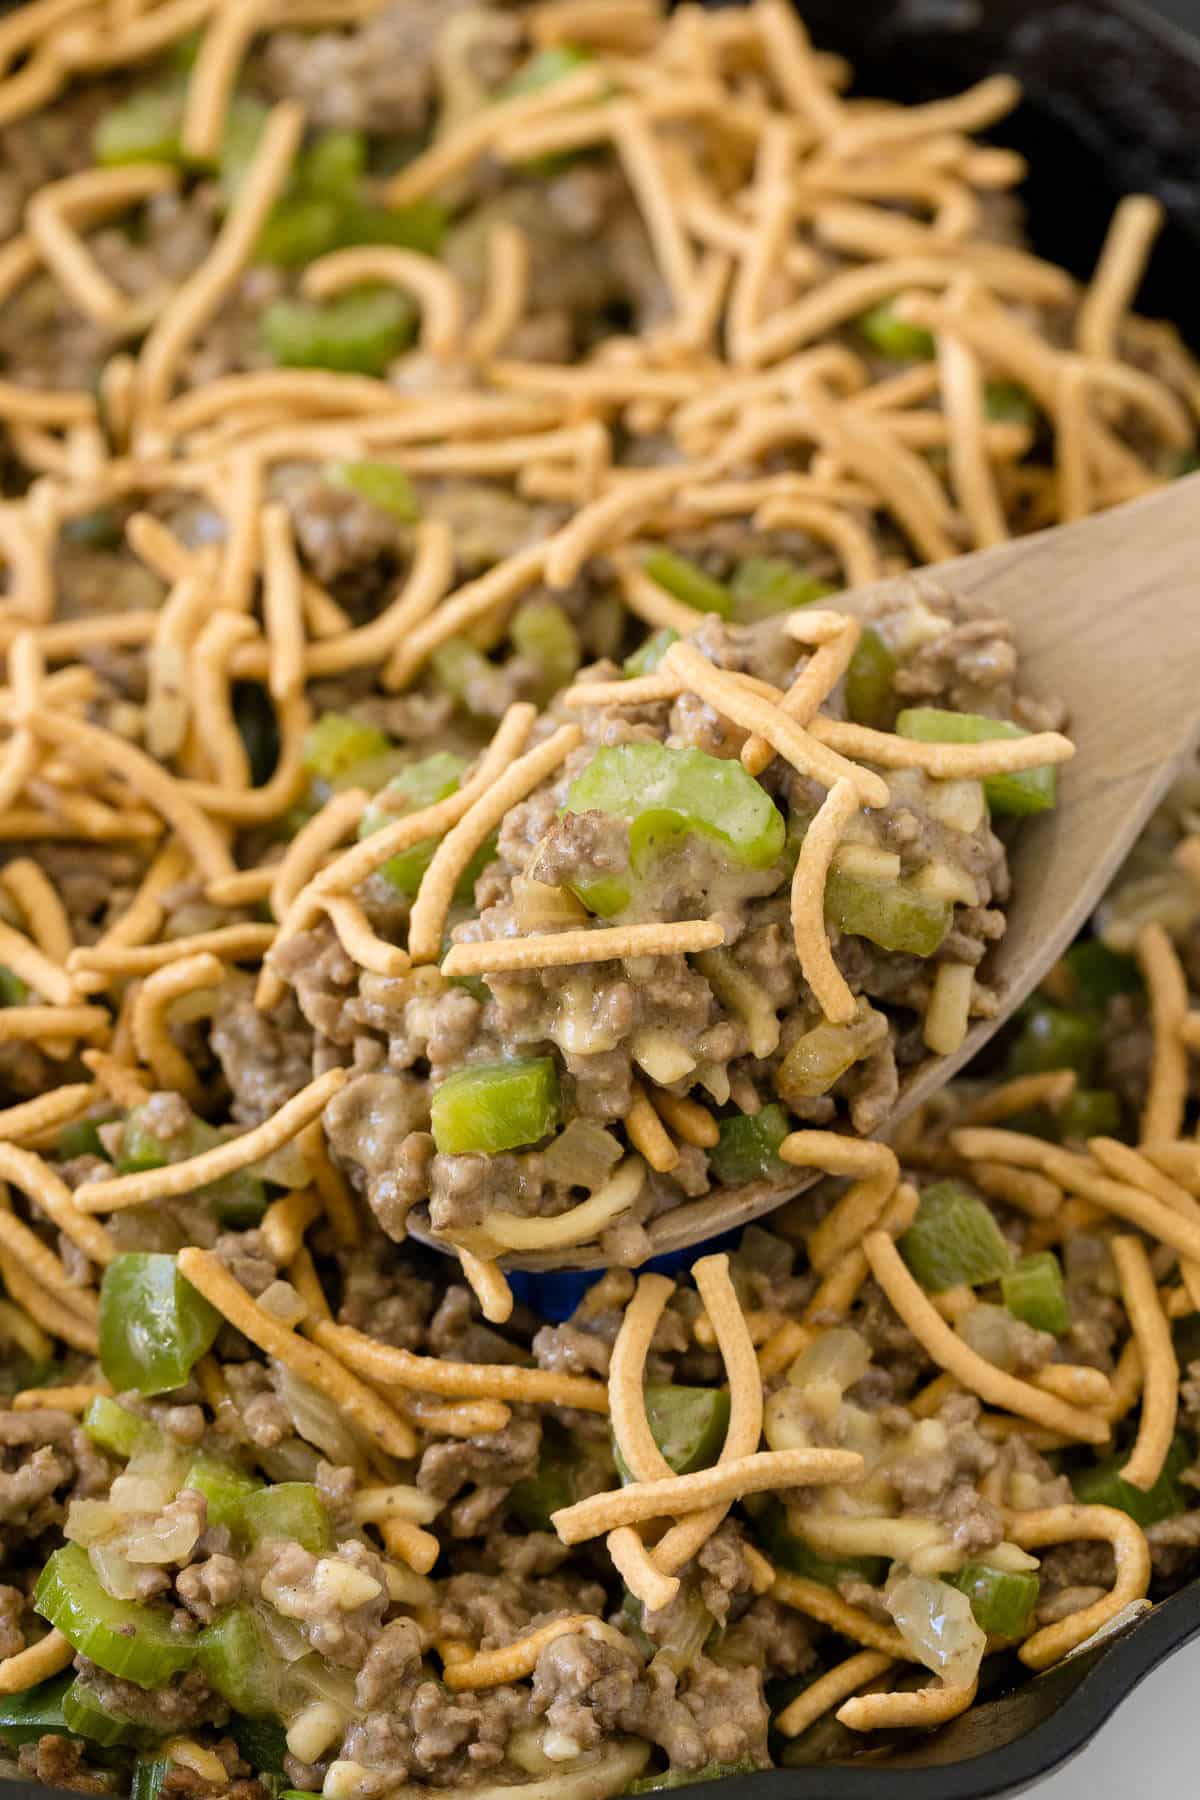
(237, 1659)
(893, 337)
(675, 1778)
(1024, 792)
(288, 1509)
(1008, 403)
(688, 582)
(954, 1240)
(420, 226)
(893, 914)
(542, 632)
(1099, 974)
(359, 332)
(115, 1428)
(764, 586)
(238, 1200)
(335, 163)
(1051, 1038)
(149, 1777)
(790, 1552)
(225, 1489)
(154, 1325)
(423, 784)
(144, 127)
(13, 991)
(1089, 1113)
(299, 229)
(335, 742)
(87, 1718)
(1002, 1601)
(381, 484)
(1102, 1485)
(869, 693)
(748, 1147)
(126, 1638)
(1034, 1291)
(82, 1138)
(548, 1491)
(490, 1107)
(36, 1713)
(646, 658)
(263, 1744)
(687, 1423)
(543, 69)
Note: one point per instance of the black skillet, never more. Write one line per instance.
(1113, 106)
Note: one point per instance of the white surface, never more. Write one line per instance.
(1151, 1745)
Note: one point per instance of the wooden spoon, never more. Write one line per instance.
(1106, 617)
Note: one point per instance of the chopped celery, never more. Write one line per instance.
(236, 1657)
(892, 914)
(289, 1509)
(748, 1148)
(238, 1200)
(543, 69)
(1023, 792)
(144, 127)
(1009, 403)
(687, 1423)
(674, 1778)
(954, 1240)
(124, 1637)
(667, 793)
(335, 163)
(1088, 1113)
(1033, 1291)
(791, 1552)
(1051, 1038)
(419, 785)
(542, 632)
(82, 1138)
(893, 337)
(1001, 1600)
(149, 1777)
(763, 586)
(382, 484)
(1098, 974)
(869, 695)
(154, 1325)
(1102, 1485)
(688, 582)
(13, 991)
(224, 1488)
(458, 666)
(420, 226)
(646, 658)
(335, 742)
(37, 1712)
(87, 1718)
(116, 1429)
(359, 332)
(490, 1107)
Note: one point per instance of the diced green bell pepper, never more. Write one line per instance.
(1021, 793)
(154, 1325)
(688, 582)
(87, 1718)
(1034, 1292)
(383, 485)
(1099, 974)
(359, 332)
(646, 658)
(764, 586)
(335, 742)
(1008, 403)
(115, 1428)
(1051, 1038)
(1102, 1485)
(790, 1552)
(82, 1138)
(748, 1147)
(954, 1240)
(1089, 1113)
(144, 127)
(335, 163)
(293, 1510)
(687, 1423)
(423, 784)
(125, 1637)
(548, 1491)
(263, 1744)
(542, 632)
(869, 693)
(299, 229)
(893, 337)
(1002, 1601)
(893, 914)
(149, 1777)
(225, 1489)
(675, 1778)
(490, 1107)
(38, 1712)
(543, 69)
(13, 991)
(238, 1200)
(237, 1659)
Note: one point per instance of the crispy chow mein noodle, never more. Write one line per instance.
(441, 784)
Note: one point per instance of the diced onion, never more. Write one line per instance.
(867, 862)
(937, 1624)
(315, 1416)
(993, 1333)
(661, 1055)
(537, 906)
(941, 880)
(282, 1301)
(583, 1154)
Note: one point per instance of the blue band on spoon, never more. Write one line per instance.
(555, 1295)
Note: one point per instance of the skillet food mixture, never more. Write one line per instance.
(437, 773)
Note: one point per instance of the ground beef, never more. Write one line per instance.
(184, 1703)
(1175, 1546)
(336, 1601)
(376, 1127)
(207, 1586)
(266, 1057)
(490, 1463)
(58, 1762)
(46, 1461)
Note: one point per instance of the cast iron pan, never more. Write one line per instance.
(1113, 106)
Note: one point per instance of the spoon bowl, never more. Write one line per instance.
(1106, 617)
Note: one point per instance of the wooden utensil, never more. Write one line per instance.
(1106, 617)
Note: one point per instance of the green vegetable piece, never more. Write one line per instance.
(224, 1487)
(893, 337)
(763, 586)
(334, 164)
(298, 230)
(543, 69)
(748, 1148)
(135, 1641)
(687, 1423)
(892, 914)
(1052, 1038)
(263, 1744)
(244, 125)
(1188, 463)
(490, 1107)
(149, 1776)
(688, 582)
(1027, 791)
(667, 793)
(954, 1239)
(82, 1138)
(238, 1200)
(550, 1489)
(1099, 974)
(289, 1509)
(154, 1325)
(1102, 1485)
(359, 332)
(869, 694)
(676, 1778)
(24, 1718)
(258, 729)
(1010, 404)
(1002, 1601)
(646, 658)
(419, 785)
(144, 127)
(381, 484)
(236, 1657)
(541, 631)
(336, 742)
(13, 991)
(1033, 1291)
(1088, 1113)
(791, 1552)
(421, 226)
(87, 1718)
(115, 1428)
